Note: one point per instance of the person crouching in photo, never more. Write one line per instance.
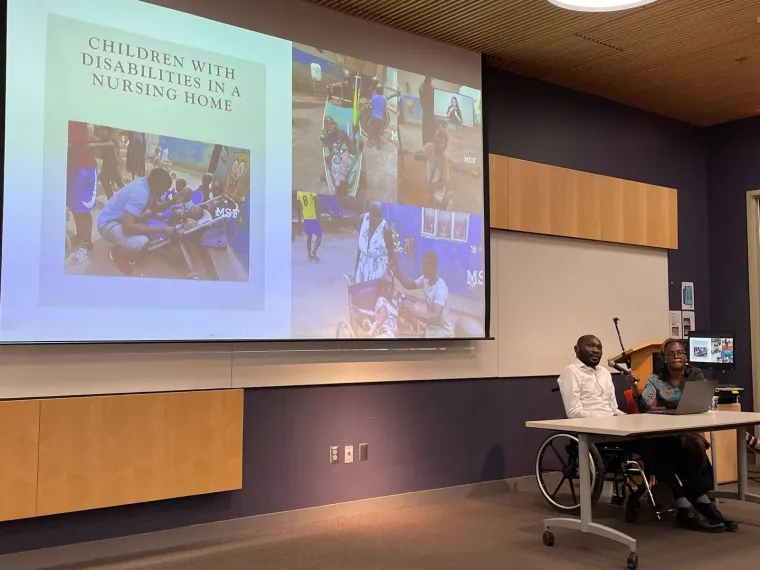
(121, 222)
(437, 314)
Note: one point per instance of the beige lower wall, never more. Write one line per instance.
(56, 370)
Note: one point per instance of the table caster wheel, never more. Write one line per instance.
(633, 561)
(548, 538)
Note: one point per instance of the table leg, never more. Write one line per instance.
(585, 523)
(741, 462)
(713, 460)
(585, 466)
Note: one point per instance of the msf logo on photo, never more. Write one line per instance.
(475, 278)
(222, 212)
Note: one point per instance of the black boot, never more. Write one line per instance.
(691, 519)
(710, 511)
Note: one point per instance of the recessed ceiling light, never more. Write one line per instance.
(600, 5)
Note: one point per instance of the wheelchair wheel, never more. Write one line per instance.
(558, 475)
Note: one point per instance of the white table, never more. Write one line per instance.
(635, 426)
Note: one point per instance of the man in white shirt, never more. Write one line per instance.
(587, 389)
(437, 314)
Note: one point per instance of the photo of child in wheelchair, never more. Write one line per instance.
(377, 310)
(191, 218)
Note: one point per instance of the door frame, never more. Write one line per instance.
(753, 261)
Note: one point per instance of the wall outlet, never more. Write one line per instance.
(348, 454)
(363, 452)
(334, 454)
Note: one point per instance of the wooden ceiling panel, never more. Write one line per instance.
(693, 60)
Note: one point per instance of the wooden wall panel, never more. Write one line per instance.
(557, 201)
(114, 450)
(529, 207)
(634, 213)
(589, 206)
(611, 209)
(19, 439)
(498, 176)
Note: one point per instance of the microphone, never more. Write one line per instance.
(620, 369)
(617, 367)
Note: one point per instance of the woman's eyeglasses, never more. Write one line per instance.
(674, 353)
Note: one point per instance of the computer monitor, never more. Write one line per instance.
(713, 350)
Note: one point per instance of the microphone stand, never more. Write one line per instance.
(620, 340)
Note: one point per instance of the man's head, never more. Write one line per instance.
(183, 190)
(159, 181)
(207, 179)
(674, 354)
(379, 89)
(588, 349)
(430, 266)
(375, 212)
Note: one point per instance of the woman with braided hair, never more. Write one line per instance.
(679, 462)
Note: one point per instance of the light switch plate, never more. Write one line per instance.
(363, 452)
(348, 454)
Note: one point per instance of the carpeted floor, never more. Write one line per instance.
(474, 534)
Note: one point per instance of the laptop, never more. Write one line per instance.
(696, 398)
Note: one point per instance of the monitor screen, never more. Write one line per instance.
(169, 177)
(711, 350)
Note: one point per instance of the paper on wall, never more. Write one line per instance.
(676, 330)
(687, 296)
(687, 320)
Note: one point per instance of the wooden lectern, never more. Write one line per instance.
(642, 360)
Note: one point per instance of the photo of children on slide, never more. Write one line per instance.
(344, 126)
(440, 138)
(141, 204)
(386, 271)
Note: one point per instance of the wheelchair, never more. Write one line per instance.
(362, 298)
(558, 475)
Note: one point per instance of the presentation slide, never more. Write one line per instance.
(169, 177)
(719, 350)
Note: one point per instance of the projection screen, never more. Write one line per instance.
(170, 177)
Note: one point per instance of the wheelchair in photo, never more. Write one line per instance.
(217, 211)
(558, 476)
(362, 298)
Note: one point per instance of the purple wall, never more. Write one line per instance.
(734, 169)
(542, 123)
(425, 435)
